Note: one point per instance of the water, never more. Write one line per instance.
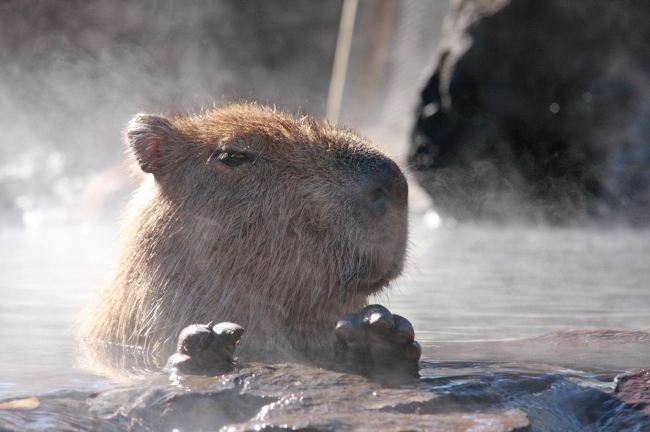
(472, 293)
(470, 285)
(45, 275)
(468, 290)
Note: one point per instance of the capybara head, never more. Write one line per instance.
(248, 215)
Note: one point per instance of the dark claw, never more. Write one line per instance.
(351, 342)
(206, 349)
(378, 317)
(404, 329)
(349, 327)
(378, 344)
(414, 351)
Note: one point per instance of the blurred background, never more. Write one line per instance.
(72, 73)
(526, 123)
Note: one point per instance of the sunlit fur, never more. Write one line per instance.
(278, 245)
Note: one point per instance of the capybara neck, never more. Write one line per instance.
(250, 216)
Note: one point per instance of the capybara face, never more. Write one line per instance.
(251, 216)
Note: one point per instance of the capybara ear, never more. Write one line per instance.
(148, 135)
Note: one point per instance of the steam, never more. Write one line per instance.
(72, 74)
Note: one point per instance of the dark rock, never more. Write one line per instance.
(569, 407)
(634, 389)
(539, 108)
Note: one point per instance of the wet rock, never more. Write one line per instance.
(167, 408)
(299, 387)
(297, 397)
(291, 397)
(538, 108)
(511, 420)
(634, 389)
(282, 397)
(570, 407)
(552, 402)
(258, 397)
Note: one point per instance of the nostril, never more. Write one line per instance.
(374, 198)
(379, 187)
(375, 193)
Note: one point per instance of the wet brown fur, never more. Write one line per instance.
(277, 245)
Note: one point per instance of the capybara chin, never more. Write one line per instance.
(248, 215)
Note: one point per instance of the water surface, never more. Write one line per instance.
(495, 282)
(465, 289)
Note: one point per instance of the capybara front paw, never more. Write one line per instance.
(206, 349)
(377, 344)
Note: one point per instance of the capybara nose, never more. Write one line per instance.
(383, 185)
(375, 198)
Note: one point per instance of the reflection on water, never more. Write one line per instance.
(463, 284)
(472, 283)
(45, 275)
(487, 283)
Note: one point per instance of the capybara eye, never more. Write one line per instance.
(232, 159)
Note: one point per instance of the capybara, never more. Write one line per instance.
(251, 216)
